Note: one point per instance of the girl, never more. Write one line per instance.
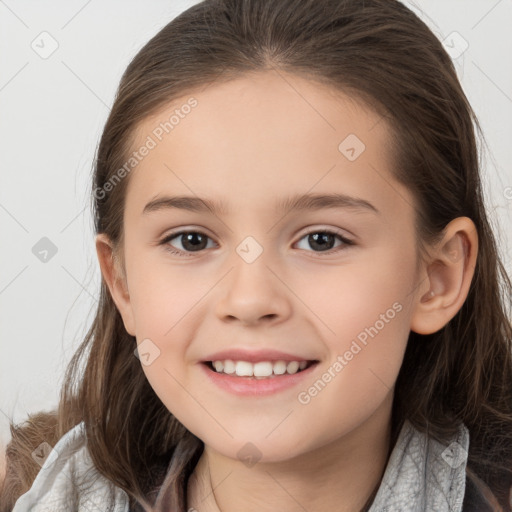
(302, 305)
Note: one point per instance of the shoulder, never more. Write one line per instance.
(68, 479)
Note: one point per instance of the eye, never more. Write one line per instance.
(196, 241)
(190, 241)
(323, 240)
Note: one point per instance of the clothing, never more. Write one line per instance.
(422, 475)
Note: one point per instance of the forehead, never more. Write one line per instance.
(270, 130)
(271, 106)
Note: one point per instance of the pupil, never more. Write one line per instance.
(319, 239)
(192, 239)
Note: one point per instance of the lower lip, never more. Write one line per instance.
(249, 386)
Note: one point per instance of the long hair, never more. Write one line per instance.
(382, 53)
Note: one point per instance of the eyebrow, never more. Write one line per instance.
(293, 203)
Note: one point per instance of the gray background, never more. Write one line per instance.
(52, 113)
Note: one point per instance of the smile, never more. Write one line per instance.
(262, 378)
(259, 370)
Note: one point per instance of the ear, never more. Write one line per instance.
(445, 282)
(114, 276)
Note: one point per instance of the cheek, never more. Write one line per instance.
(351, 297)
(365, 310)
(168, 306)
(162, 295)
(368, 308)
(158, 301)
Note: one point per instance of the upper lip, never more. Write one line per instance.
(254, 356)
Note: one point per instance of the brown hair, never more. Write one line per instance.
(382, 53)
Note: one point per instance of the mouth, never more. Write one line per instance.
(260, 370)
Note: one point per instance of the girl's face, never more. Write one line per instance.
(258, 276)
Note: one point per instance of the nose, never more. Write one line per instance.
(253, 293)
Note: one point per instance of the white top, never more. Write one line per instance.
(60, 485)
(421, 475)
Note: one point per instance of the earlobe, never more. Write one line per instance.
(449, 272)
(115, 280)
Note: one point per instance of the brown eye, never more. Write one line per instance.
(323, 241)
(190, 241)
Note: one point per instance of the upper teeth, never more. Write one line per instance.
(260, 369)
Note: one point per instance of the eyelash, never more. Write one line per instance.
(180, 253)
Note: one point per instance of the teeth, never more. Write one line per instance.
(229, 366)
(280, 367)
(244, 369)
(293, 367)
(260, 370)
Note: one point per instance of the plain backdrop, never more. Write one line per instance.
(60, 64)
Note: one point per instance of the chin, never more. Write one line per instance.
(257, 449)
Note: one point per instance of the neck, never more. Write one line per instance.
(341, 475)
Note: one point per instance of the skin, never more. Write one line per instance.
(251, 142)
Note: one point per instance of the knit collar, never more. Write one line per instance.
(423, 474)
